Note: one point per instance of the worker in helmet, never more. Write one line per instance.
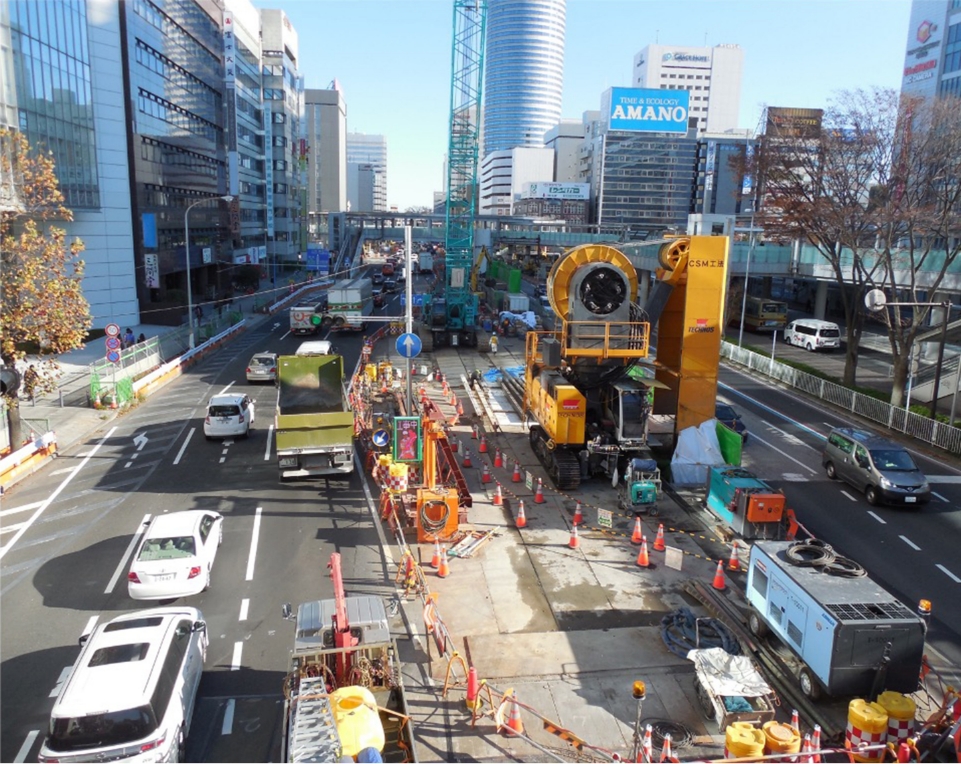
(475, 377)
(494, 344)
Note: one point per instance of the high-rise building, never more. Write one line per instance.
(505, 173)
(932, 59)
(61, 85)
(524, 72)
(325, 128)
(711, 75)
(366, 172)
(566, 139)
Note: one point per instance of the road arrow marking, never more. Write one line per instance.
(141, 441)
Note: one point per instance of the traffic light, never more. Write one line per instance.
(9, 381)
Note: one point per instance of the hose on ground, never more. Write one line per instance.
(681, 736)
(683, 632)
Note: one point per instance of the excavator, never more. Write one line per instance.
(591, 411)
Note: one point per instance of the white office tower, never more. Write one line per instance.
(524, 72)
(711, 75)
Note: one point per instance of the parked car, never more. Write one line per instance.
(725, 414)
(229, 415)
(378, 295)
(176, 556)
(390, 286)
(262, 367)
(377, 278)
(813, 334)
(132, 691)
(882, 468)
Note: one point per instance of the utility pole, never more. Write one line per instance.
(409, 289)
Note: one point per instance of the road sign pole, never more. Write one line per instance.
(409, 285)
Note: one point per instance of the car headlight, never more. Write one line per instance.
(925, 486)
(885, 483)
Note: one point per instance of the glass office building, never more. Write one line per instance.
(524, 72)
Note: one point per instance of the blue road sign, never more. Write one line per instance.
(409, 345)
(418, 300)
(381, 438)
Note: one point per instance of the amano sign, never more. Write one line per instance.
(647, 110)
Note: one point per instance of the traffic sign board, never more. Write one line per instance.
(112, 330)
(381, 438)
(409, 345)
(113, 343)
(113, 356)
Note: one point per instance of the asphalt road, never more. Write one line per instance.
(67, 571)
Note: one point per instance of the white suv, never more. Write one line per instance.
(132, 691)
(229, 415)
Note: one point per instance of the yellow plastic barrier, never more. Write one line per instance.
(867, 725)
(358, 723)
(780, 738)
(743, 739)
(397, 478)
(901, 710)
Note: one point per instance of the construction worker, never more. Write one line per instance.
(494, 344)
(475, 378)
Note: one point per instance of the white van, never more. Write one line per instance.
(131, 692)
(813, 334)
(315, 347)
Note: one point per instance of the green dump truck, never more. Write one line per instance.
(314, 424)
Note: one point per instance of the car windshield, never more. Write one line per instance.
(896, 460)
(261, 360)
(724, 412)
(169, 548)
(100, 730)
(830, 332)
(231, 410)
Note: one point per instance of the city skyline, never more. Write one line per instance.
(392, 61)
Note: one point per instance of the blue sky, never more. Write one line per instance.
(392, 60)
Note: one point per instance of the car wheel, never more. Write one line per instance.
(809, 347)
(744, 438)
(829, 469)
(756, 625)
(180, 753)
(207, 582)
(208, 437)
(809, 685)
(872, 495)
(246, 434)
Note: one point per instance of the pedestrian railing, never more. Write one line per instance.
(938, 434)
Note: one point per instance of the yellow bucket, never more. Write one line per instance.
(901, 710)
(867, 725)
(397, 482)
(743, 739)
(371, 371)
(780, 738)
(358, 723)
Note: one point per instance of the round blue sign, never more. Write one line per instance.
(381, 438)
(113, 356)
(409, 345)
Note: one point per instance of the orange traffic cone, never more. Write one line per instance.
(521, 521)
(795, 721)
(482, 448)
(643, 561)
(539, 493)
(455, 445)
(806, 750)
(574, 542)
(514, 724)
(734, 563)
(638, 534)
(473, 432)
(647, 745)
(460, 409)
(473, 689)
(485, 474)
(498, 458)
(452, 399)
(816, 743)
(467, 462)
(498, 497)
(383, 385)
(666, 754)
(516, 477)
(659, 538)
(435, 560)
(578, 515)
(718, 582)
(444, 570)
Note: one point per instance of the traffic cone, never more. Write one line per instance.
(647, 745)
(539, 493)
(666, 754)
(574, 542)
(816, 744)
(578, 515)
(444, 570)
(521, 521)
(485, 474)
(498, 497)
(795, 721)
(806, 750)
(460, 409)
(467, 462)
(435, 560)
(498, 458)
(516, 477)
(473, 432)
(734, 563)
(514, 724)
(482, 448)
(638, 534)
(383, 385)
(455, 445)
(473, 689)
(718, 582)
(659, 539)
(452, 399)
(643, 561)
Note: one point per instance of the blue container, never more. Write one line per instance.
(488, 325)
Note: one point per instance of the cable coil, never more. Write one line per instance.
(433, 526)
(683, 632)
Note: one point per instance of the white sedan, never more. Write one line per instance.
(176, 555)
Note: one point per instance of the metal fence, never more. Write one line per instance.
(934, 433)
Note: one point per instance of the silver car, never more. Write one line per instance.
(262, 368)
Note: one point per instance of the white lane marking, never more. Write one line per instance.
(27, 745)
(60, 680)
(253, 545)
(952, 479)
(852, 498)
(128, 464)
(91, 622)
(910, 543)
(270, 439)
(244, 607)
(50, 499)
(785, 454)
(141, 529)
(183, 448)
(235, 661)
(948, 573)
(935, 493)
(25, 507)
(14, 527)
(228, 724)
(226, 389)
(878, 517)
(792, 439)
(61, 471)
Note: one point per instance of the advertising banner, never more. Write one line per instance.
(647, 111)
(408, 446)
(925, 36)
(230, 51)
(557, 191)
(793, 123)
(151, 269)
(269, 167)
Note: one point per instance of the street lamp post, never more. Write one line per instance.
(190, 297)
(747, 277)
